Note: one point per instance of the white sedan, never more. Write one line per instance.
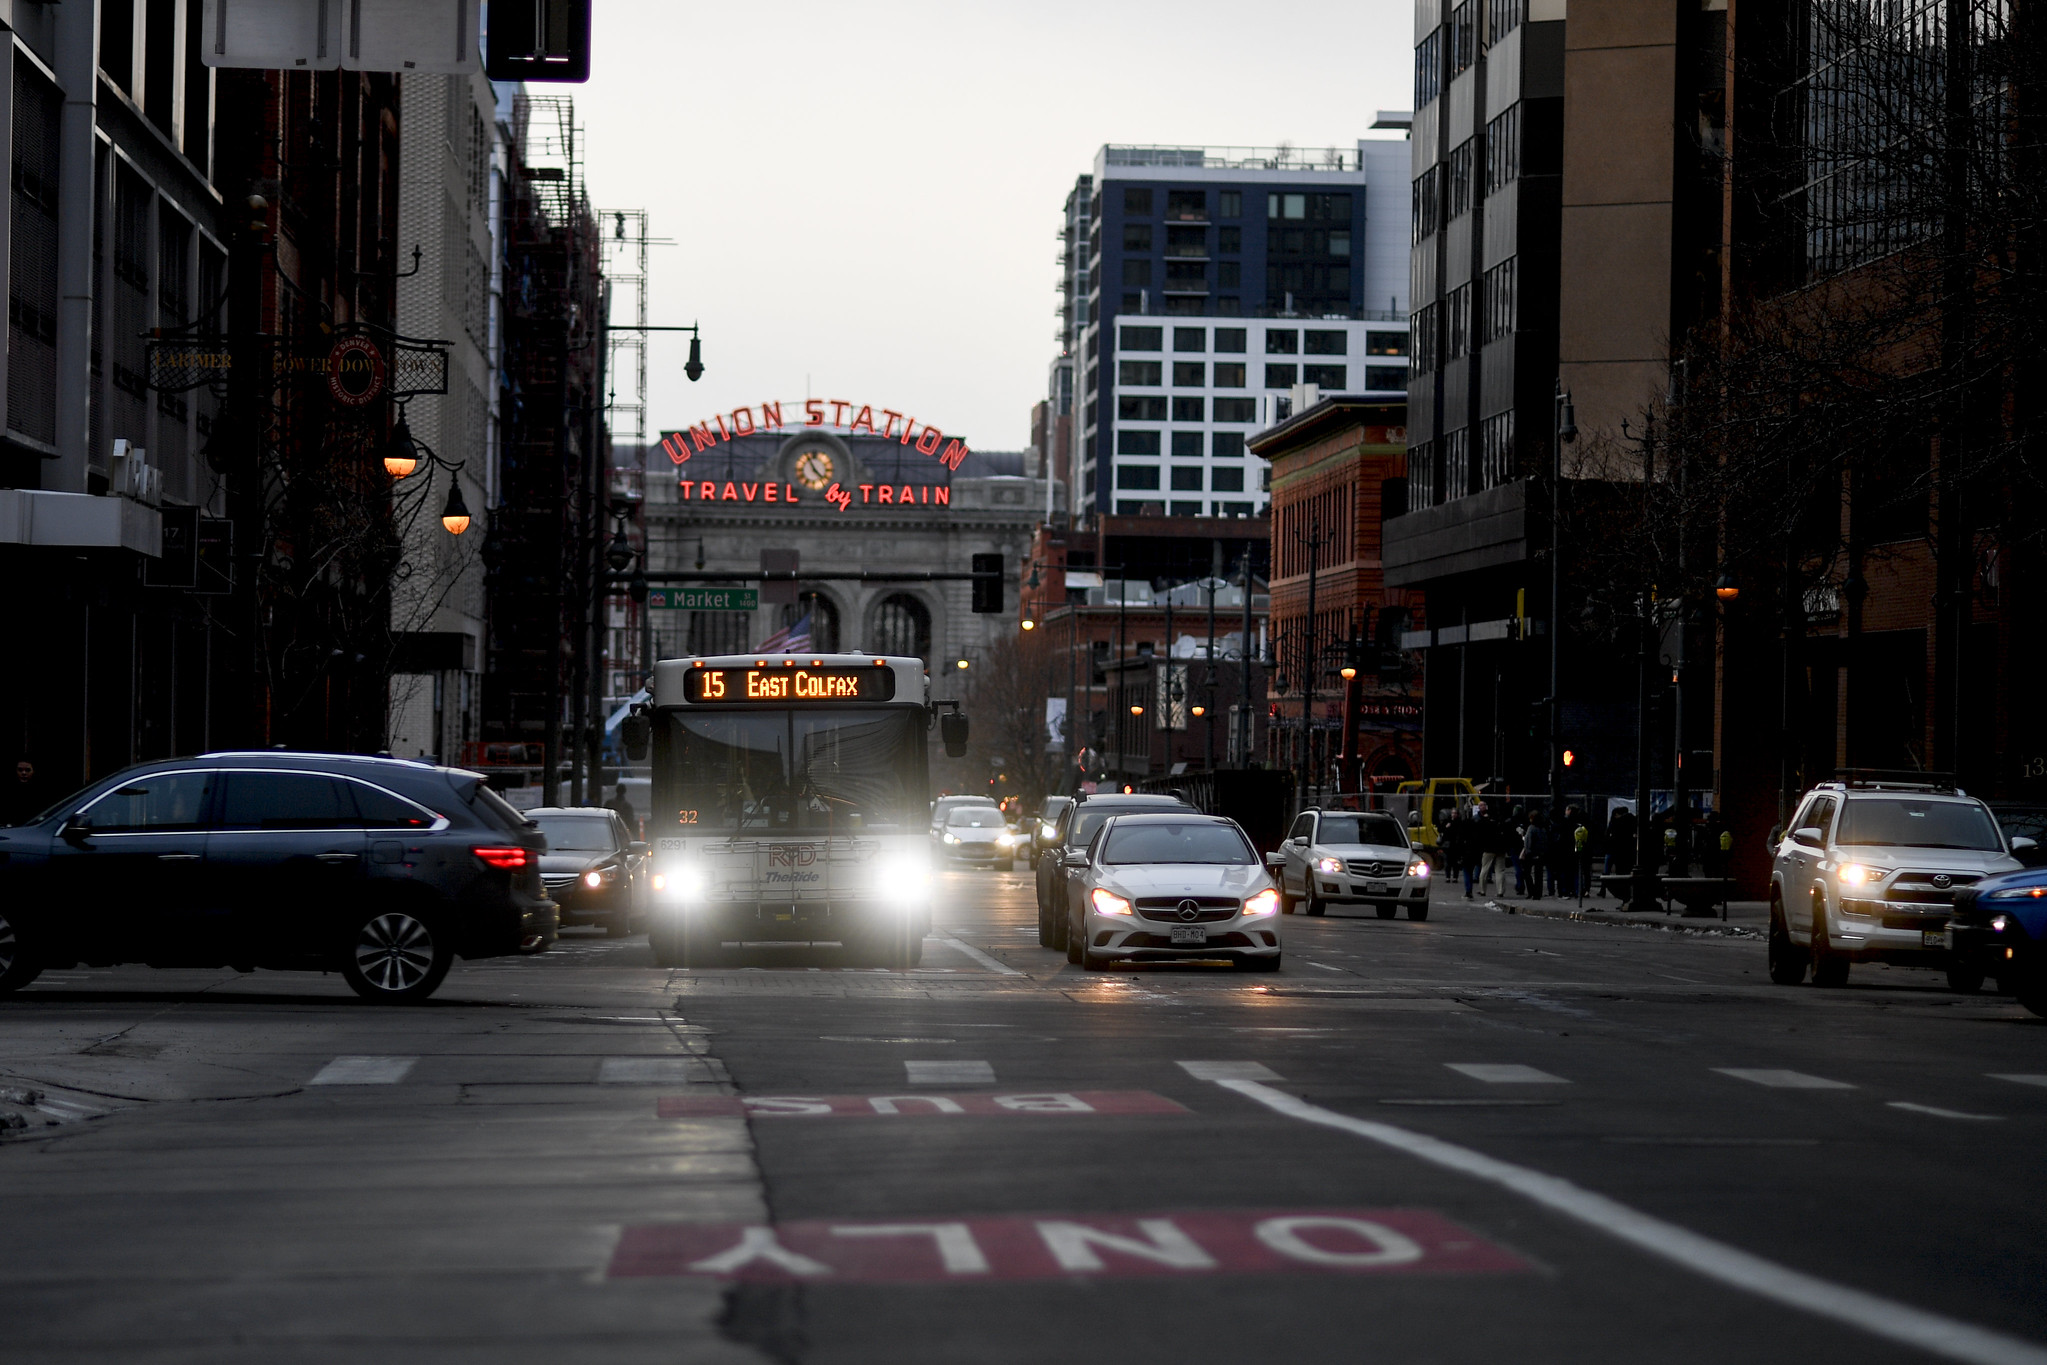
(1342, 857)
(1160, 888)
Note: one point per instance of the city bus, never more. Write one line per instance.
(791, 803)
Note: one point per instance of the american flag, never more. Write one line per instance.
(790, 638)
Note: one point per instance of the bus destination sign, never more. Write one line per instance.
(786, 683)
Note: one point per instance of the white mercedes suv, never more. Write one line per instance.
(1342, 857)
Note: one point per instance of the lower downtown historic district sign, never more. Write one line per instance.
(704, 599)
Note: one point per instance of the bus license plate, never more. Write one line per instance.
(1189, 933)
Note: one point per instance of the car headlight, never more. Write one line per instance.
(593, 879)
(1329, 865)
(1108, 902)
(949, 837)
(1006, 839)
(1266, 902)
(1999, 923)
(1418, 868)
(1856, 874)
(2016, 893)
(1048, 833)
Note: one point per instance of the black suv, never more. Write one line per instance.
(381, 869)
(1076, 826)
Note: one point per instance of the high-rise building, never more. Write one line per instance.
(1206, 291)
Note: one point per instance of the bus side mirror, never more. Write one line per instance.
(634, 732)
(952, 730)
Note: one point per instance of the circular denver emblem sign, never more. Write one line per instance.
(355, 371)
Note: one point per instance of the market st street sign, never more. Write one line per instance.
(705, 599)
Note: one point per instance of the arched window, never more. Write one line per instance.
(902, 626)
(824, 619)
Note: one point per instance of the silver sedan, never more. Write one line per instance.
(1167, 887)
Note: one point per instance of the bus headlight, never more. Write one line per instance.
(903, 876)
(685, 883)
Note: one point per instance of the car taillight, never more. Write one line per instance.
(504, 857)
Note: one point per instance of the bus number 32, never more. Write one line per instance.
(685, 817)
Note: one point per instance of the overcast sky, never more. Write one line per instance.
(864, 197)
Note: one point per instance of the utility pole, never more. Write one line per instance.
(1215, 573)
(1565, 430)
(1244, 657)
(1314, 540)
(1646, 850)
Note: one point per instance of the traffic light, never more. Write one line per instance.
(987, 584)
(538, 40)
(1569, 758)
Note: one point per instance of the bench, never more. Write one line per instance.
(1700, 896)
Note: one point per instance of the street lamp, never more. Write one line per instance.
(455, 516)
(1725, 588)
(1029, 624)
(962, 665)
(401, 456)
(1136, 710)
(1566, 431)
(695, 368)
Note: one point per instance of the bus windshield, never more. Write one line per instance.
(815, 772)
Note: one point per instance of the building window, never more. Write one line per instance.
(1456, 463)
(1226, 480)
(1496, 462)
(1229, 376)
(1457, 322)
(1329, 208)
(1189, 374)
(1142, 373)
(1382, 377)
(1229, 275)
(1463, 33)
(1187, 478)
(1424, 333)
(1460, 167)
(1226, 445)
(1137, 237)
(1135, 507)
(1137, 442)
(1338, 243)
(1385, 343)
(1328, 378)
(1421, 475)
(1133, 302)
(1236, 409)
(1187, 409)
(1230, 204)
(1428, 68)
(1186, 275)
(1186, 509)
(1088, 483)
(32, 292)
(1137, 203)
(1281, 376)
(1265, 479)
(1229, 306)
(1187, 205)
(1190, 339)
(1230, 339)
(1136, 272)
(1428, 202)
(1496, 301)
(1282, 341)
(1132, 409)
(1325, 343)
(1140, 339)
(1503, 149)
(1506, 17)
(1186, 445)
(1137, 476)
(1286, 206)
(1229, 241)
(902, 627)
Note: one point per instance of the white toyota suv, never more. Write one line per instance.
(1868, 872)
(1343, 857)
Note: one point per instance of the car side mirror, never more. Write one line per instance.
(639, 848)
(1811, 836)
(1077, 858)
(75, 830)
(1275, 860)
(634, 733)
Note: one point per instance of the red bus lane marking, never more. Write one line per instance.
(1232, 1242)
(1116, 1102)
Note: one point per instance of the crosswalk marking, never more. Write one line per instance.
(364, 1071)
(1943, 1113)
(1229, 1071)
(2020, 1079)
(1782, 1080)
(652, 1071)
(950, 1073)
(1505, 1073)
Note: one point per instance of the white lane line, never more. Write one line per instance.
(1325, 966)
(364, 1071)
(653, 1071)
(1229, 1071)
(949, 1073)
(1505, 1073)
(1880, 1317)
(1782, 1080)
(2020, 1079)
(975, 953)
(1942, 1113)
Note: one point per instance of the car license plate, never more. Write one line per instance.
(1189, 933)
(1935, 938)
(1378, 889)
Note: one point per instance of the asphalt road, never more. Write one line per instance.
(1482, 1138)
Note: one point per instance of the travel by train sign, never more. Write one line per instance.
(835, 414)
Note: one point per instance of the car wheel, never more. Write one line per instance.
(1386, 911)
(699, 949)
(1090, 961)
(1963, 979)
(619, 925)
(18, 965)
(1060, 920)
(1287, 904)
(395, 957)
(1787, 959)
(1076, 940)
(1317, 908)
(1258, 964)
(1829, 968)
(1044, 926)
(1418, 913)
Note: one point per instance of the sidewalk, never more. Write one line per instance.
(1745, 919)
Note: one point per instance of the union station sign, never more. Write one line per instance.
(728, 426)
(815, 472)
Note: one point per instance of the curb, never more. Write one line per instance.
(1615, 919)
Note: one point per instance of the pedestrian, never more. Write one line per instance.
(1563, 855)
(1456, 845)
(1581, 853)
(1496, 838)
(623, 806)
(1716, 842)
(1534, 853)
(1620, 841)
(25, 797)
